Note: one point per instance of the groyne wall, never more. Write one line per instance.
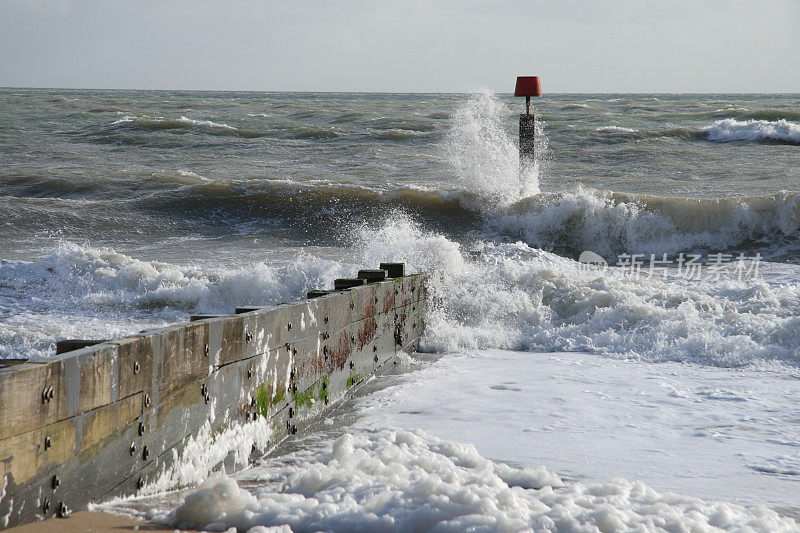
(109, 418)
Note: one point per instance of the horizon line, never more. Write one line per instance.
(42, 88)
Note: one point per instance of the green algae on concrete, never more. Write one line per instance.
(354, 378)
(323, 390)
(305, 398)
(265, 400)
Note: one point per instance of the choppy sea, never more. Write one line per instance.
(656, 387)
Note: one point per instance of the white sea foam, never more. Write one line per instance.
(731, 129)
(125, 119)
(181, 176)
(411, 481)
(208, 451)
(206, 455)
(634, 419)
(5, 518)
(505, 296)
(783, 465)
(81, 291)
(114, 279)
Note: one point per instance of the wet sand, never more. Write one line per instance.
(88, 521)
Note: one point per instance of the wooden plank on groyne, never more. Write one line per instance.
(106, 419)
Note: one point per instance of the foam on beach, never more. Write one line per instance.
(394, 480)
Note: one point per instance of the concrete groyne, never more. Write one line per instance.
(109, 417)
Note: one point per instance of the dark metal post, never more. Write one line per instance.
(527, 86)
(527, 131)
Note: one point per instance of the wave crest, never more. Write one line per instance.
(182, 123)
(724, 130)
(566, 222)
(612, 223)
(730, 129)
(615, 129)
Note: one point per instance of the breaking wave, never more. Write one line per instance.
(312, 207)
(512, 296)
(612, 223)
(527, 298)
(737, 112)
(491, 294)
(86, 292)
(569, 222)
(729, 129)
(725, 130)
(606, 222)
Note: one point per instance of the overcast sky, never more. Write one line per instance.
(403, 46)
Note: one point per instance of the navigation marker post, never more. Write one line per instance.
(527, 86)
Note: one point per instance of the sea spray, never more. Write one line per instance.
(485, 158)
(486, 243)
